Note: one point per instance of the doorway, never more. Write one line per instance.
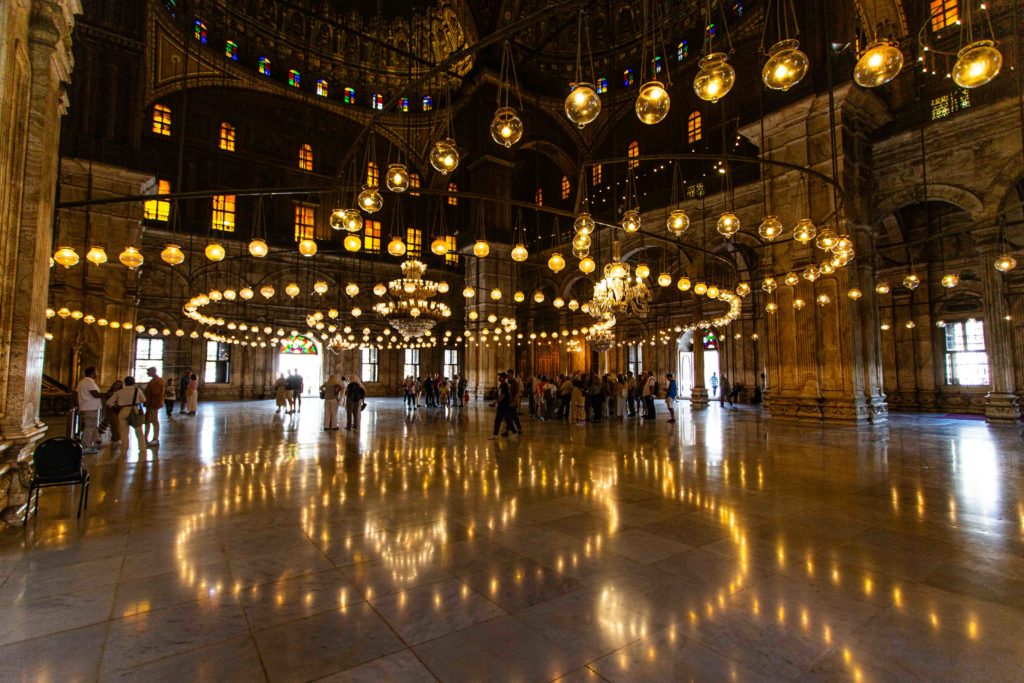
(301, 353)
(710, 342)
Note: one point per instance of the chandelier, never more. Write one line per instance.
(619, 292)
(411, 310)
(600, 336)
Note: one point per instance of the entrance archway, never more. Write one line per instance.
(302, 354)
(685, 354)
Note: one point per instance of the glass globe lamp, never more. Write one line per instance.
(558, 302)
(786, 65)
(520, 253)
(827, 239)
(882, 288)
(246, 293)
(96, 256)
(172, 255)
(824, 299)
(356, 311)
(396, 247)
(770, 228)
(442, 288)
(742, 289)
(664, 280)
(587, 265)
(977, 64)
(879, 64)
(444, 156)
(352, 243)
(369, 199)
(379, 289)
(397, 179)
(574, 305)
(538, 296)
(791, 279)
(683, 284)
(700, 289)
(950, 280)
(581, 242)
(652, 103)
(350, 220)
(804, 231)
(519, 297)
(584, 224)
(469, 292)
(258, 248)
(481, 248)
(677, 222)
(812, 273)
(769, 284)
(631, 221)
(582, 105)
(337, 219)
(911, 282)
(215, 251)
(854, 294)
(496, 294)
(827, 267)
(556, 263)
(728, 224)
(1005, 263)
(713, 292)
(642, 271)
(439, 247)
(131, 258)
(506, 127)
(799, 304)
(320, 287)
(66, 256)
(715, 78)
(771, 307)
(292, 289)
(307, 247)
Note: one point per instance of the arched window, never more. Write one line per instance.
(602, 85)
(306, 157)
(453, 190)
(710, 341)
(305, 221)
(538, 197)
(227, 137)
(264, 65)
(377, 102)
(944, 13)
(627, 77)
(231, 50)
(682, 51)
(428, 103)
(566, 188)
(633, 152)
(349, 96)
(403, 104)
(200, 31)
(294, 78)
(161, 119)
(321, 87)
(372, 174)
(694, 130)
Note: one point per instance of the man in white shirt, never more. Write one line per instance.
(90, 400)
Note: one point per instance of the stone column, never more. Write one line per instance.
(699, 393)
(1001, 402)
(484, 360)
(37, 44)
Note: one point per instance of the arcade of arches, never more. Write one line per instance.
(609, 340)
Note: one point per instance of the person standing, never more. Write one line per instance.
(331, 391)
(726, 390)
(648, 393)
(565, 398)
(126, 402)
(192, 394)
(110, 414)
(89, 400)
(281, 393)
(714, 384)
(300, 386)
(502, 407)
(355, 400)
(515, 392)
(154, 402)
(630, 394)
(186, 377)
(170, 397)
(671, 394)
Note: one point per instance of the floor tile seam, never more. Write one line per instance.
(150, 662)
(105, 620)
(302, 617)
(850, 637)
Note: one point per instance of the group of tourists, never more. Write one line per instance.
(126, 408)
(589, 397)
(288, 392)
(435, 391)
(337, 390)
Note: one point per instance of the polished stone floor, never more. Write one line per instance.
(251, 546)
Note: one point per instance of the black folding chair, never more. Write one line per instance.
(58, 462)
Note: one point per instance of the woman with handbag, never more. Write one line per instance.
(125, 402)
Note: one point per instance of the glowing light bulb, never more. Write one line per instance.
(652, 104)
(582, 105)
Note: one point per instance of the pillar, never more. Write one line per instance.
(1001, 402)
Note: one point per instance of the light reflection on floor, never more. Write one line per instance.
(256, 546)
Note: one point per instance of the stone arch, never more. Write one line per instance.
(951, 194)
(555, 153)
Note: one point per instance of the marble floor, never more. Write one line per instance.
(252, 546)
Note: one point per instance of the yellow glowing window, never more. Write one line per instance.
(224, 212)
(944, 13)
(538, 197)
(372, 174)
(595, 174)
(227, 137)
(452, 257)
(633, 152)
(413, 241)
(565, 187)
(306, 157)
(321, 87)
(371, 235)
(694, 129)
(452, 191)
(304, 222)
(414, 184)
(161, 119)
(158, 209)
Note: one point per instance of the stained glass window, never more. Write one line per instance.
(657, 64)
(378, 101)
(453, 189)
(452, 257)
(306, 157)
(299, 346)
(224, 212)
(294, 78)
(627, 77)
(371, 235)
(172, 6)
(595, 174)
(602, 85)
(944, 13)
(566, 188)
(349, 96)
(227, 137)
(231, 50)
(158, 209)
(428, 103)
(161, 119)
(321, 87)
(264, 65)
(710, 341)
(682, 51)
(403, 104)
(413, 242)
(633, 152)
(304, 222)
(694, 130)
(200, 31)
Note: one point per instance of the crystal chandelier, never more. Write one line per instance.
(600, 336)
(618, 292)
(411, 310)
